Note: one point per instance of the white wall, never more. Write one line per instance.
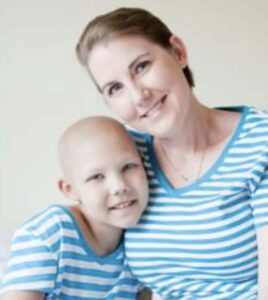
(43, 89)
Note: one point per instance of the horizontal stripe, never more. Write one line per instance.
(50, 255)
(199, 241)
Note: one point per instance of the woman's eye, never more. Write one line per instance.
(114, 89)
(141, 66)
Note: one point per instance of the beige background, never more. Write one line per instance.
(43, 89)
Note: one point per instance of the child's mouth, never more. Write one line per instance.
(123, 204)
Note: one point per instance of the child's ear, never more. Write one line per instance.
(67, 189)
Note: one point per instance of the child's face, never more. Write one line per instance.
(109, 181)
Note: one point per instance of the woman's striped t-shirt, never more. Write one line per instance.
(199, 241)
(50, 255)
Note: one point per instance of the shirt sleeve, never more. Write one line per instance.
(259, 197)
(32, 265)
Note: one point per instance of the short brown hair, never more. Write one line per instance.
(125, 21)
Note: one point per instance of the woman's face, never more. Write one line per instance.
(142, 82)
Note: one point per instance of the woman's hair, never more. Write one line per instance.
(125, 21)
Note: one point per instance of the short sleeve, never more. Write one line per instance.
(259, 200)
(31, 266)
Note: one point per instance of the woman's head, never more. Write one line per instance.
(123, 22)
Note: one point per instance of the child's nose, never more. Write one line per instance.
(121, 190)
(119, 187)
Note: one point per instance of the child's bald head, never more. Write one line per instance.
(103, 172)
(89, 132)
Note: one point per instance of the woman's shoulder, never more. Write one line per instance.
(135, 134)
(248, 120)
(142, 140)
(252, 137)
(257, 114)
(255, 122)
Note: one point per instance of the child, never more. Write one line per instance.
(75, 252)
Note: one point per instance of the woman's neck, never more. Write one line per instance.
(191, 133)
(195, 144)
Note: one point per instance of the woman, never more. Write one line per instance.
(204, 234)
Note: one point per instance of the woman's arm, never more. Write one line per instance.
(145, 294)
(22, 295)
(262, 240)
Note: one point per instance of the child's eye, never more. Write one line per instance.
(130, 166)
(141, 66)
(114, 89)
(95, 177)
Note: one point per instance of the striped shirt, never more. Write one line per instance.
(49, 254)
(199, 241)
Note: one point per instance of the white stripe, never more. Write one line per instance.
(29, 272)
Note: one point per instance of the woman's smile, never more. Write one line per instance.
(146, 87)
(155, 109)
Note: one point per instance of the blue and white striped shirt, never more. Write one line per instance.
(199, 241)
(50, 255)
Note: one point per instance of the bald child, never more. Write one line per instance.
(75, 252)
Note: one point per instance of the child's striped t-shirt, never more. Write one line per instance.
(49, 254)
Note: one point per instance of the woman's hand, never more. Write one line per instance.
(262, 240)
(23, 295)
(145, 294)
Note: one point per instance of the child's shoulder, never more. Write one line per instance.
(42, 225)
(49, 214)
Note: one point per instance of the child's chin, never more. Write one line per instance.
(129, 224)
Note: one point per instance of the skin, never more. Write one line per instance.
(148, 90)
(103, 173)
(23, 295)
(143, 77)
(145, 86)
(262, 240)
(100, 176)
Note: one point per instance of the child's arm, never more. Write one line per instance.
(21, 295)
(29, 263)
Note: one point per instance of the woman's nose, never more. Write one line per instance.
(140, 94)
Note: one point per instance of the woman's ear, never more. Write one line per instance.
(179, 50)
(67, 189)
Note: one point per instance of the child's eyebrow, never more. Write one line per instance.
(91, 172)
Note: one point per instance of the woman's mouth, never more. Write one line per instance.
(155, 108)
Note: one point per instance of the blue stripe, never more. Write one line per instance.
(110, 271)
(234, 187)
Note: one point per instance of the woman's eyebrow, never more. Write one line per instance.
(130, 66)
(137, 59)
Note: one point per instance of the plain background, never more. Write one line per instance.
(43, 88)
